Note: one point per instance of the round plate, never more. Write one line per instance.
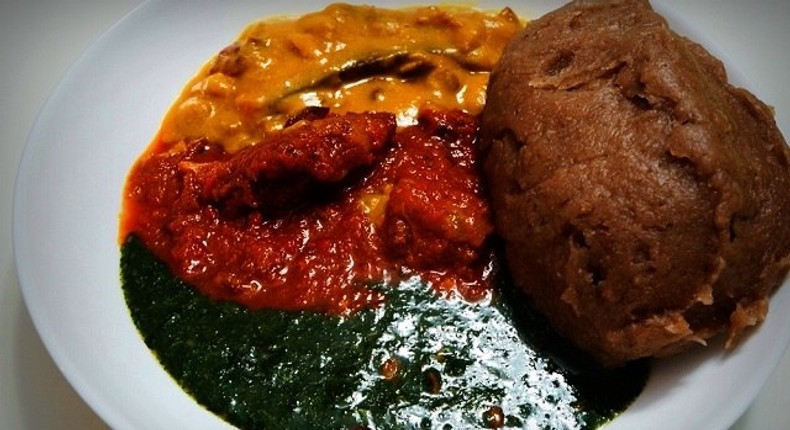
(67, 199)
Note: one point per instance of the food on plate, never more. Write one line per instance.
(307, 242)
(643, 200)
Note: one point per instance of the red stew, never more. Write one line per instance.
(312, 216)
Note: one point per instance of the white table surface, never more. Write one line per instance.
(40, 39)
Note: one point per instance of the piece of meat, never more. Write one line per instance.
(643, 200)
(229, 61)
(437, 215)
(277, 172)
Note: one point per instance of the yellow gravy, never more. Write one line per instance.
(347, 58)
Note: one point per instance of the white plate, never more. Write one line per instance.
(100, 118)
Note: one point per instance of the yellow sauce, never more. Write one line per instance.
(347, 58)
